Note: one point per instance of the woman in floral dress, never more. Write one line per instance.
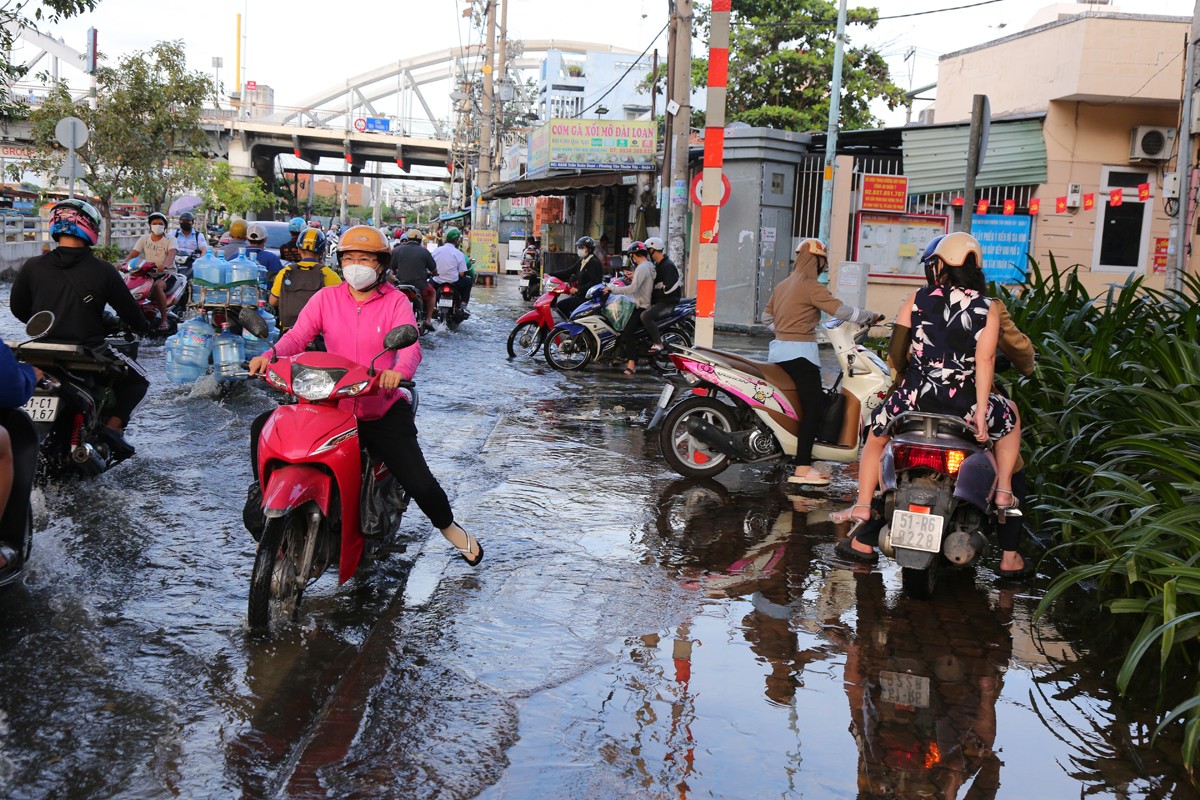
(951, 365)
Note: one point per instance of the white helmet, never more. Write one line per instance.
(655, 243)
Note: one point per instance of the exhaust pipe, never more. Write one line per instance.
(715, 438)
(87, 459)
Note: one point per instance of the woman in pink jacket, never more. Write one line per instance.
(354, 318)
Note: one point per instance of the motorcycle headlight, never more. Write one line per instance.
(352, 389)
(314, 384)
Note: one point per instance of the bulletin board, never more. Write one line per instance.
(891, 244)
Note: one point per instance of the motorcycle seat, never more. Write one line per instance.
(772, 373)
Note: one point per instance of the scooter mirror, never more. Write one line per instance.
(401, 337)
(252, 321)
(39, 324)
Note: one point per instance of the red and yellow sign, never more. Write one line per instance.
(1143, 191)
(982, 206)
(1162, 247)
(1060, 205)
(1010, 207)
(1115, 198)
(884, 193)
(1035, 207)
(1089, 202)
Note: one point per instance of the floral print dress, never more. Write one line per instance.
(946, 325)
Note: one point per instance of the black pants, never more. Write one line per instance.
(652, 316)
(393, 440)
(807, 377)
(128, 390)
(629, 335)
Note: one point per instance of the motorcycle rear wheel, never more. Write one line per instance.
(525, 340)
(661, 360)
(567, 351)
(686, 454)
(275, 583)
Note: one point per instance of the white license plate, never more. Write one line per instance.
(42, 408)
(917, 531)
(667, 393)
(904, 689)
(445, 302)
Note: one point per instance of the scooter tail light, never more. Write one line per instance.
(915, 456)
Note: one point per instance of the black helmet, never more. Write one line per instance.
(586, 241)
(187, 216)
(639, 248)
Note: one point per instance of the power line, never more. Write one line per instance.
(626, 72)
(869, 20)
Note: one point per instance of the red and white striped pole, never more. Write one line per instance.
(714, 156)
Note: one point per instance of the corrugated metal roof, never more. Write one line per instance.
(935, 158)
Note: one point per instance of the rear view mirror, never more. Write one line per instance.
(39, 324)
(401, 337)
(252, 321)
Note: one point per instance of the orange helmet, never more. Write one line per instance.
(364, 239)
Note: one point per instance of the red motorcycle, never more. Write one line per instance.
(139, 276)
(531, 329)
(323, 496)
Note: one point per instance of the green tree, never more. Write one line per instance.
(18, 14)
(781, 65)
(145, 130)
(223, 194)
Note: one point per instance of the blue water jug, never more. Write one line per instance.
(229, 352)
(243, 280)
(189, 349)
(206, 274)
(256, 346)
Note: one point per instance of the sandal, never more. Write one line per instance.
(465, 552)
(656, 348)
(1026, 571)
(847, 514)
(809, 480)
(845, 548)
(1004, 510)
(628, 371)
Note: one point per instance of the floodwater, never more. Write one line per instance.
(628, 635)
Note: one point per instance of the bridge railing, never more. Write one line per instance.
(24, 237)
(329, 119)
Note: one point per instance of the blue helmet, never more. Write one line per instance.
(75, 218)
(930, 278)
(313, 239)
(296, 224)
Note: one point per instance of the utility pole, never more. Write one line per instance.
(831, 135)
(502, 71)
(681, 128)
(980, 118)
(714, 159)
(1189, 139)
(483, 174)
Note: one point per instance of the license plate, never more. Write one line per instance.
(917, 531)
(667, 393)
(42, 408)
(445, 302)
(905, 689)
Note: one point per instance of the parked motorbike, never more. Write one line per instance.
(139, 277)
(735, 410)
(70, 404)
(527, 336)
(448, 308)
(323, 495)
(938, 484)
(589, 335)
(531, 277)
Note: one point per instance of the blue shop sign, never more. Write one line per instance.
(382, 124)
(1005, 243)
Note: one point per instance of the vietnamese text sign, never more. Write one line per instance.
(883, 193)
(892, 244)
(379, 124)
(1005, 243)
(485, 251)
(598, 144)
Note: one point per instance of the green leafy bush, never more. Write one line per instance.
(111, 252)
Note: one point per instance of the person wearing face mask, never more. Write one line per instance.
(297, 283)
(76, 285)
(588, 272)
(354, 318)
(188, 241)
(159, 249)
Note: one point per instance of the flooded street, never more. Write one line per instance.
(629, 634)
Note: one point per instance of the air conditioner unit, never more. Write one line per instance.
(1151, 143)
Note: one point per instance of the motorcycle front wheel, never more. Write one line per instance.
(525, 340)
(567, 351)
(686, 454)
(276, 584)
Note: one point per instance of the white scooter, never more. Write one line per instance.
(731, 409)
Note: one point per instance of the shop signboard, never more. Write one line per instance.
(1005, 243)
(485, 251)
(592, 144)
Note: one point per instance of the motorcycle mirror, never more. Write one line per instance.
(39, 324)
(401, 337)
(252, 321)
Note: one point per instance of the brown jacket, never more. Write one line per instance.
(797, 302)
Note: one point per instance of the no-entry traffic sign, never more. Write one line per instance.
(725, 189)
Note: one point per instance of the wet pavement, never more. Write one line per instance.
(629, 634)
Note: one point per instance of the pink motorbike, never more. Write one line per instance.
(139, 275)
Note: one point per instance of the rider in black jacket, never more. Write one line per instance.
(587, 273)
(413, 265)
(76, 286)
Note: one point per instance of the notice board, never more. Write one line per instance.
(892, 243)
(1005, 243)
(485, 251)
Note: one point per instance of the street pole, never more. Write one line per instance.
(483, 174)
(714, 159)
(681, 128)
(502, 70)
(664, 179)
(978, 112)
(1189, 138)
(831, 135)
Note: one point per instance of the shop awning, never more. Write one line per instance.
(449, 215)
(557, 184)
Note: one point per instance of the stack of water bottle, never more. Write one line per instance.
(221, 282)
(194, 346)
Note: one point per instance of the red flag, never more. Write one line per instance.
(958, 201)
(1060, 205)
(1143, 191)
(1010, 207)
(982, 207)
(1115, 198)
(1035, 207)
(1089, 202)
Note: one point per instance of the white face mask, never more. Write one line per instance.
(157, 230)
(582, 252)
(359, 276)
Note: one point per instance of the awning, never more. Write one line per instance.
(557, 184)
(449, 215)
